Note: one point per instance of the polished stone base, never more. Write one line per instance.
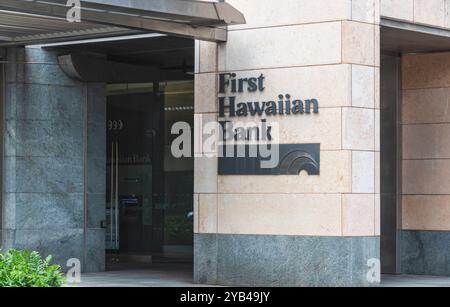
(49, 164)
(264, 260)
(425, 252)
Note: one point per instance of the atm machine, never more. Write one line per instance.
(130, 218)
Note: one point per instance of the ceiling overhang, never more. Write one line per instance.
(26, 22)
(404, 37)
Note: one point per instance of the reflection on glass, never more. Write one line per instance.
(150, 193)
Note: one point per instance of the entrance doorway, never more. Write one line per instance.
(146, 213)
(149, 197)
(413, 133)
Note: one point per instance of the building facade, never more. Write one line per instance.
(372, 195)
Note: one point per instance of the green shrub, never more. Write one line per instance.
(178, 230)
(28, 269)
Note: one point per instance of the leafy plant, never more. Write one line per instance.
(28, 269)
(178, 230)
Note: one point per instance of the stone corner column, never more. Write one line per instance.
(44, 161)
(296, 230)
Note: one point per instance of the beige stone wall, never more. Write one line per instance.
(426, 142)
(427, 12)
(328, 49)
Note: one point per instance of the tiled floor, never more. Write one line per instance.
(181, 276)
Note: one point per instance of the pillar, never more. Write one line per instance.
(280, 230)
(54, 161)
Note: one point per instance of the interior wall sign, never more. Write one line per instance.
(292, 158)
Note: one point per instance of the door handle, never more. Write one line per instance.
(117, 196)
(111, 199)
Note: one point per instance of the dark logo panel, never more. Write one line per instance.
(291, 159)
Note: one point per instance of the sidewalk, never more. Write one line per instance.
(163, 275)
(414, 281)
(181, 276)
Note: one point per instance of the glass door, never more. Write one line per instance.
(149, 209)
